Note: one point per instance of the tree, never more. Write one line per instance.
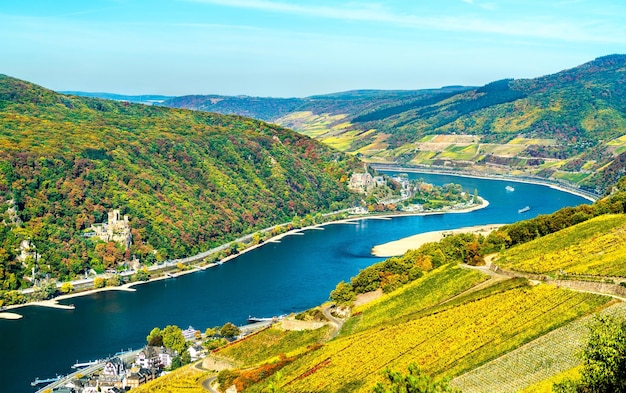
(604, 356)
(155, 338)
(46, 290)
(229, 330)
(98, 282)
(604, 359)
(67, 287)
(416, 381)
(173, 338)
(343, 294)
(114, 281)
(142, 275)
(185, 358)
(211, 332)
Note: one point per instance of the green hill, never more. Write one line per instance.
(569, 126)
(188, 180)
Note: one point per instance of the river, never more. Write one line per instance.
(277, 278)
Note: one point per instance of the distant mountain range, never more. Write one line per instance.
(142, 99)
(568, 126)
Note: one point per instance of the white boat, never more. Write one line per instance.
(509, 188)
(86, 364)
(524, 209)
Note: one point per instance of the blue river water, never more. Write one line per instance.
(277, 278)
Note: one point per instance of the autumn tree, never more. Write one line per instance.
(343, 294)
(67, 287)
(173, 338)
(229, 330)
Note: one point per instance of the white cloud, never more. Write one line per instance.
(485, 6)
(536, 27)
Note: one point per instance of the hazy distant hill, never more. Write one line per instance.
(567, 126)
(141, 99)
(273, 109)
(188, 180)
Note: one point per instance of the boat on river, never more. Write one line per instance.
(509, 188)
(78, 365)
(38, 381)
(524, 209)
(252, 319)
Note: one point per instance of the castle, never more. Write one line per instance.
(115, 229)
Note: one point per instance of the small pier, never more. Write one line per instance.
(38, 381)
(252, 319)
(78, 365)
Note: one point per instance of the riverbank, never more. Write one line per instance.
(401, 246)
(275, 239)
(541, 182)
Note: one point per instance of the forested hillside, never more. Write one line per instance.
(188, 180)
(569, 126)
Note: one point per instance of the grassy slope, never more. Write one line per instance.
(595, 247)
(269, 344)
(446, 338)
(187, 379)
(542, 359)
(428, 291)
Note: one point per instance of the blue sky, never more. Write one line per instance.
(288, 48)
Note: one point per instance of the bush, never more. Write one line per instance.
(98, 282)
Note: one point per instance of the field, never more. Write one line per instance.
(430, 290)
(269, 344)
(594, 247)
(184, 380)
(446, 343)
(542, 359)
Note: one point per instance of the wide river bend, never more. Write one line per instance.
(277, 278)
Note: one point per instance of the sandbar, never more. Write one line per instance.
(9, 315)
(401, 246)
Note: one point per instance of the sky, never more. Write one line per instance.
(284, 48)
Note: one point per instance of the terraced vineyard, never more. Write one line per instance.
(596, 247)
(184, 380)
(541, 359)
(269, 344)
(432, 289)
(447, 343)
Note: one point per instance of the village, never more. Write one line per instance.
(125, 370)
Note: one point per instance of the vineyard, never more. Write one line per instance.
(435, 287)
(187, 379)
(541, 359)
(595, 247)
(447, 343)
(269, 344)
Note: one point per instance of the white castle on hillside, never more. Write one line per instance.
(115, 229)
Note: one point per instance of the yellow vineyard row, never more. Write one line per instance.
(445, 344)
(596, 247)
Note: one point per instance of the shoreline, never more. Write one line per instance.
(539, 182)
(274, 239)
(399, 247)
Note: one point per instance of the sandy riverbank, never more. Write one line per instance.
(399, 247)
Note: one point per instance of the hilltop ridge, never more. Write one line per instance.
(568, 126)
